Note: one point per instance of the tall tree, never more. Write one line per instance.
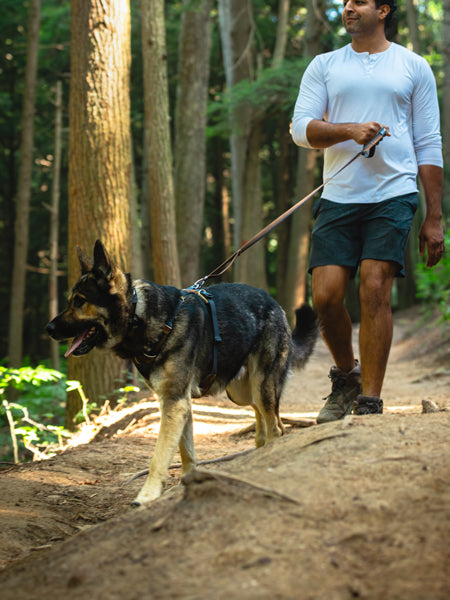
(99, 160)
(411, 18)
(15, 345)
(446, 100)
(237, 33)
(295, 289)
(190, 143)
(54, 222)
(159, 149)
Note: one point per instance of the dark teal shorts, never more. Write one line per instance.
(346, 234)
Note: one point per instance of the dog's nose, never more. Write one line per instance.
(51, 327)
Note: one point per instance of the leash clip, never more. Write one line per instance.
(369, 149)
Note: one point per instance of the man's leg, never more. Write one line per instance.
(375, 336)
(329, 284)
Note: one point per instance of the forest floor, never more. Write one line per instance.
(358, 508)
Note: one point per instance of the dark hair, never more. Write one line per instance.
(389, 22)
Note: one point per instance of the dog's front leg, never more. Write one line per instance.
(174, 415)
(187, 450)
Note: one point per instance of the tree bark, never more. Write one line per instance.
(282, 33)
(99, 163)
(237, 31)
(299, 235)
(446, 103)
(15, 344)
(54, 223)
(159, 149)
(411, 18)
(251, 265)
(190, 145)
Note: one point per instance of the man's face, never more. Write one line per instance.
(362, 17)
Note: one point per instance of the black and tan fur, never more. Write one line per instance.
(253, 357)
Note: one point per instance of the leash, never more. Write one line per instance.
(367, 151)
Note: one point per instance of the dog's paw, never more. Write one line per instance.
(148, 493)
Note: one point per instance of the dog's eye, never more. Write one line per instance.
(78, 301)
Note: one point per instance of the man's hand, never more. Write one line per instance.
(431, 236)
(363, 133)
(431, 240)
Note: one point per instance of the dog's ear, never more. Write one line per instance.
(102, 261)
(85, 262)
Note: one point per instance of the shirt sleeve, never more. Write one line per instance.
(312, 102)
(425, 118)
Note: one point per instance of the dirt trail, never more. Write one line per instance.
(353, 509)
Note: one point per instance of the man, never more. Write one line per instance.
(365, 213)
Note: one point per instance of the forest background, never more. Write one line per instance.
(163, 129)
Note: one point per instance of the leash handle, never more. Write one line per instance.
(369, 149)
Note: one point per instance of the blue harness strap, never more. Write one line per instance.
(207, 382)
(145, 360)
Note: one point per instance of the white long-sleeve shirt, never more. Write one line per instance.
(396, 88)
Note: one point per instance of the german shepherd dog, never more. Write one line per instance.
(185, 345)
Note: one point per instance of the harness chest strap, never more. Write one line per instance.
(145, 360)
(207, 297)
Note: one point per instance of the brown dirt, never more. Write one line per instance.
(354, 509)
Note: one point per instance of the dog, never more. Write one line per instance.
(186, 344)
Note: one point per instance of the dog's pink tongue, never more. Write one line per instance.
(76, 342)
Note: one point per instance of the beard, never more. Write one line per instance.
(360, 26)
(352, 25)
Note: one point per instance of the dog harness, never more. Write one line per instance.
(144, 361)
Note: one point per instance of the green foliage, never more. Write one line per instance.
(35, 419)
(274, 91)
(433, 285)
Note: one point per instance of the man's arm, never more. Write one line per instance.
(431, 236)
(322, 134)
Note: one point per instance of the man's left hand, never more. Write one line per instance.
(431, 239)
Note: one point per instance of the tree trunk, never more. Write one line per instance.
(282, 33)
(15, 344)
(99, 162)
(159, 151)
(251, 265)
(283, 201)
(54, 224)
(300, 231)
(299, 237)
(146, 234)
(411, 18)
(236, 30)
(190, 141)
(446, 104)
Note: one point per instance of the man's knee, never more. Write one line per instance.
(376, 283)
(329, 286)
(325, 302)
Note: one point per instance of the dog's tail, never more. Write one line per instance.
(304, 334)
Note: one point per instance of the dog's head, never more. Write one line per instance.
(95, 315)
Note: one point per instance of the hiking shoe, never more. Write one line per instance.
(344, 391)
(368, 405)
